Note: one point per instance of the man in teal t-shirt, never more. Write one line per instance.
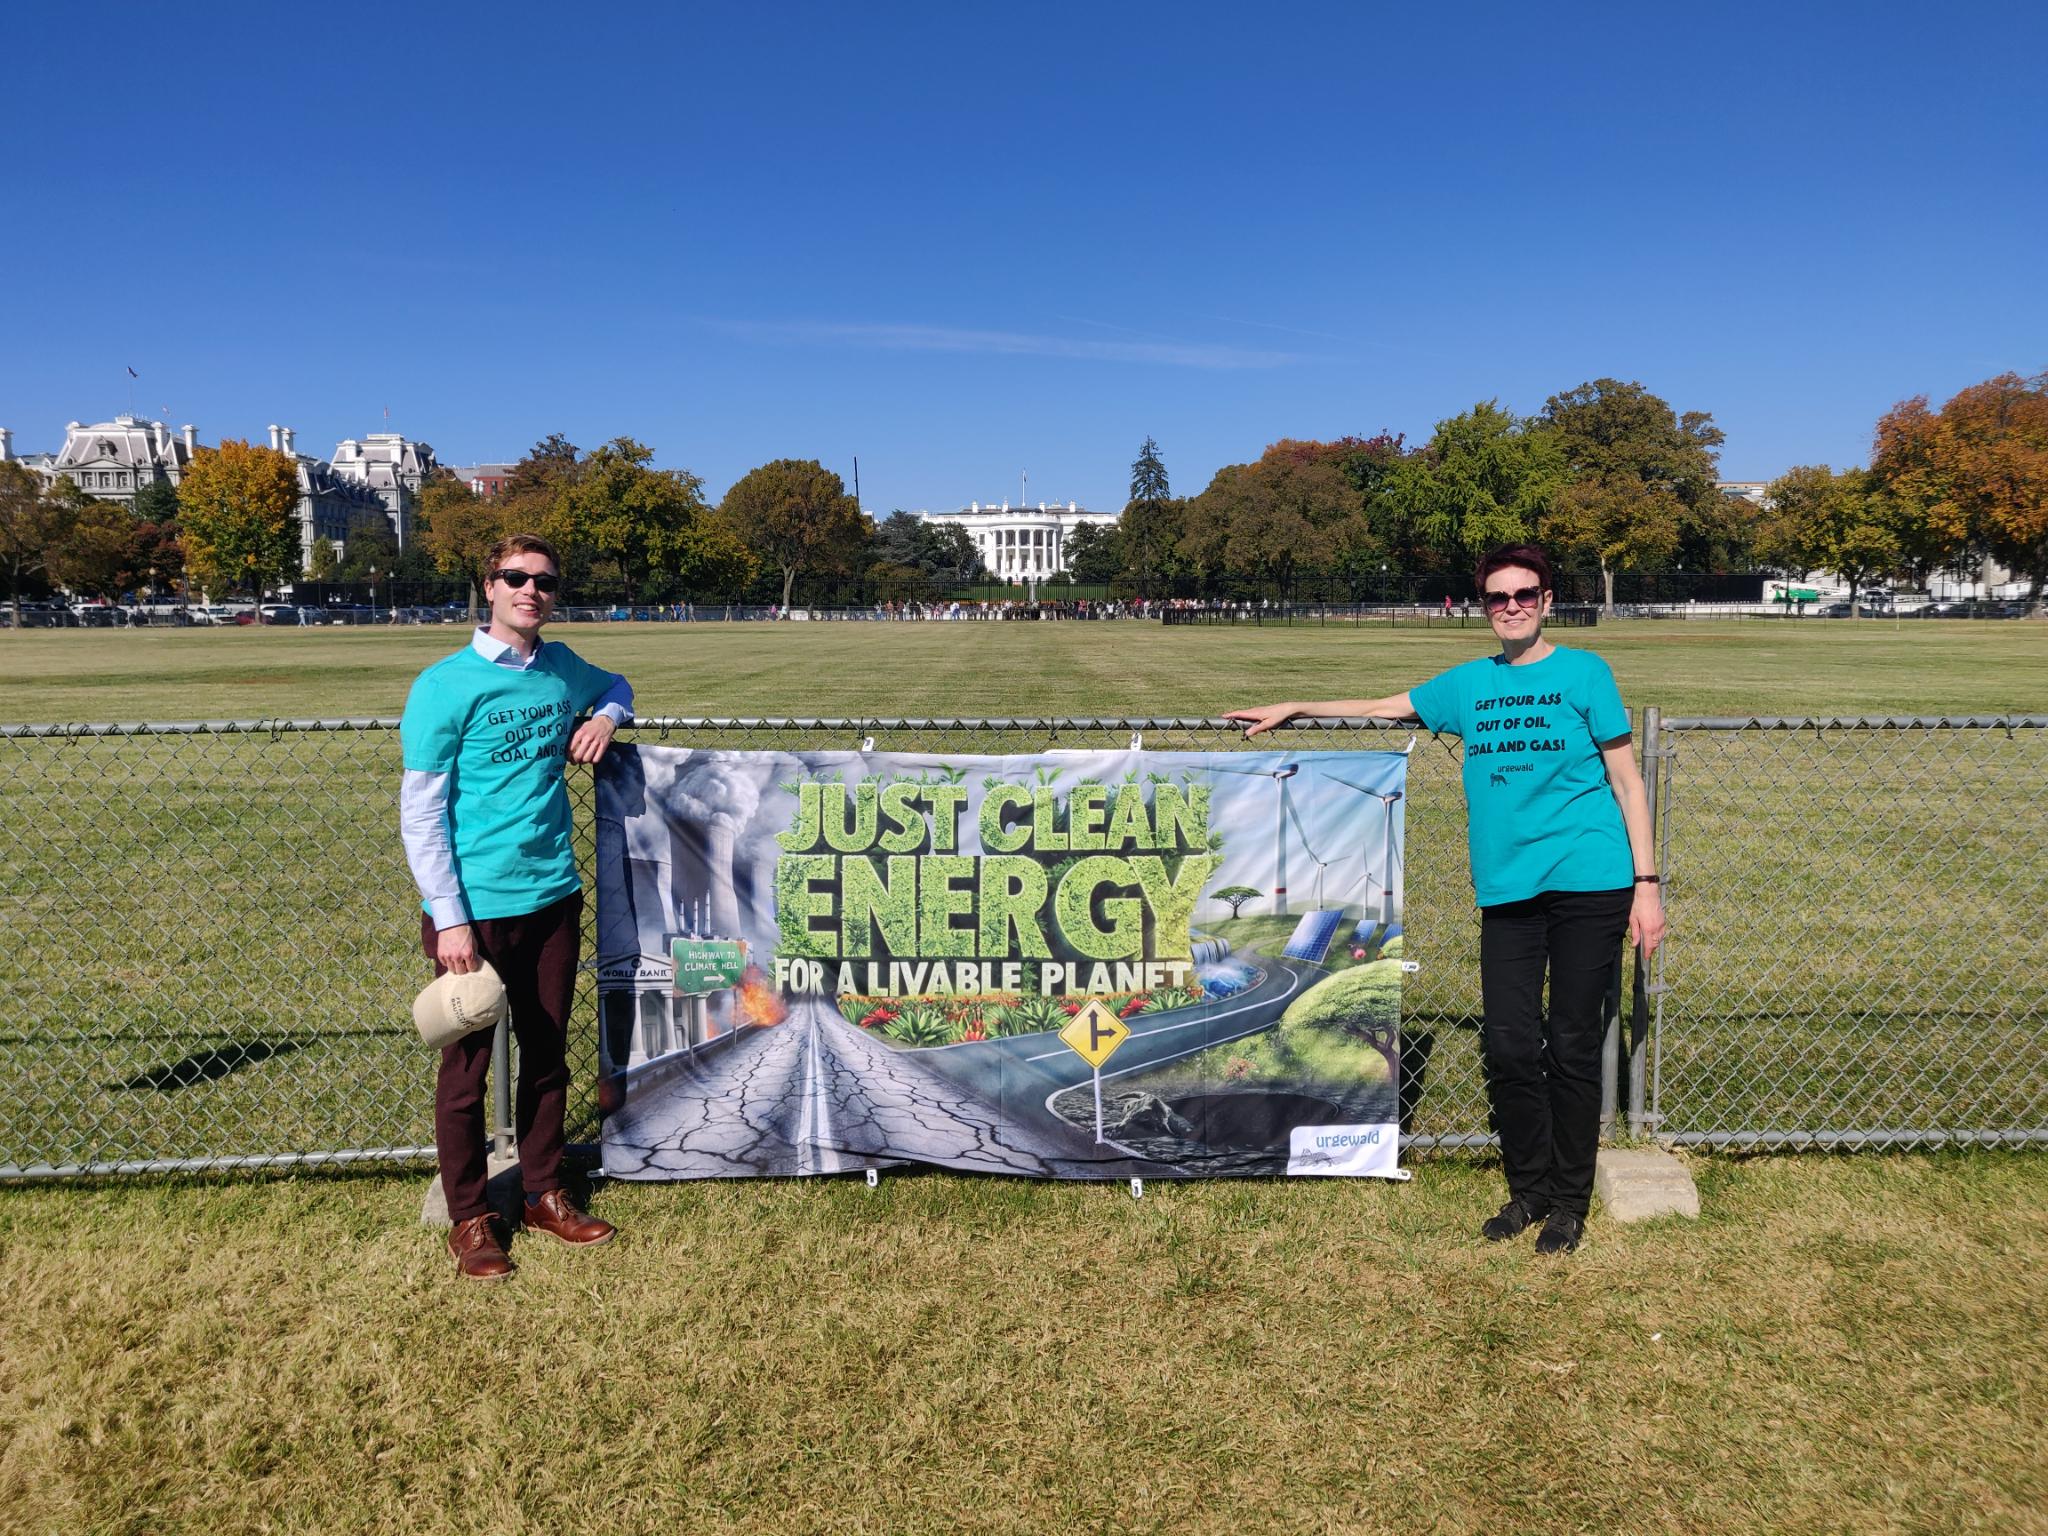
(484, 811)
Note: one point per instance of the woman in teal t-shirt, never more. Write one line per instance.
(1562, 867)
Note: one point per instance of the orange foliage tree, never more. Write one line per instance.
(1978, 468)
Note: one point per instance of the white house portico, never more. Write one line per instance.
(1020, 544)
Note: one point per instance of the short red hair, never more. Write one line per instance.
(1525, 557)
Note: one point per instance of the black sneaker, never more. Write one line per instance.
(1561, 1233)
(1515, 1218)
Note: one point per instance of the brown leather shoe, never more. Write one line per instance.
(555, 1214)
(478, 1253)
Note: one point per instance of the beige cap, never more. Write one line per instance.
(452, 1006)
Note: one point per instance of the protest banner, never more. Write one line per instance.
(1065, 965)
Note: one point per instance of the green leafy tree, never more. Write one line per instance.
(324, 563)
(629, 517)
(1487, 478)
(941, 554)
(1152, 523)
(158, 557)
(1237, 896)
(1846, 523)
(1094, 553)
(796, 518)
(31, 522)
(237, 506)
(1637, 474)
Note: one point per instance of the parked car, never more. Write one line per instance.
(281, 613)
(1832, 611)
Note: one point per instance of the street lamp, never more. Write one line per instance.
(373, 594)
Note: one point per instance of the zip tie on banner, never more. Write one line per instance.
(1137, 741)
(867, 743)
(1405, 751)
(874, 1178)
(1137, 1189)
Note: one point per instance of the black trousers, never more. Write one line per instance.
(1543, 1069)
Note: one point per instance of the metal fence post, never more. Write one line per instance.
(1654, 757)
(501, 1089)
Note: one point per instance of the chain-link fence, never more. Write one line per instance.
(212, 943)
(210, 947)
(1857, 953)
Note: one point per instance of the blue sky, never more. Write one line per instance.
(964, 242)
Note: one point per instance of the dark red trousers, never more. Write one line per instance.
(536, 957)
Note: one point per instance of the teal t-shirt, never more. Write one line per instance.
(1543, 816)
(501, 734)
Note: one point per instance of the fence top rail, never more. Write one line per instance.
(1050, 724)
(1859, 723)
(705, 723)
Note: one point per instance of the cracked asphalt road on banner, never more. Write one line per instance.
(815, 1094)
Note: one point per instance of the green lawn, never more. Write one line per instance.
(207, 949)
(1072, 669)
(1837, 1345)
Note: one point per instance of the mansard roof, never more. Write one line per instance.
(128, 441)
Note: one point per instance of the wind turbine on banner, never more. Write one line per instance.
(1285, 814)
(1385, 928)
(1312, 935)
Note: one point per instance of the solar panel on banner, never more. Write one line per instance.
(1312, 936)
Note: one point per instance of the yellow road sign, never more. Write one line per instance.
(1095, 1033)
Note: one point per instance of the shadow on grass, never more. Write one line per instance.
(205, 1066)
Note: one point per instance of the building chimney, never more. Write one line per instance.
(274, 446)
(191, 444)
(6, 444)
(287, 434)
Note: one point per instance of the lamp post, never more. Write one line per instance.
(373, 594)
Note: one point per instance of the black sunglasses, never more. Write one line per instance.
(1525, 597)
(542, 582)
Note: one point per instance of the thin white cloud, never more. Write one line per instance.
(940, 338)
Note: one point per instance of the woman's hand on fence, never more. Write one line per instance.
(456, 948)
(1646, 918)
(1264, 718)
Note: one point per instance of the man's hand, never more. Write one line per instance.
(591, 739)
(456, 948)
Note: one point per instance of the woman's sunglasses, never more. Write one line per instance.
(1497, 602)
(542, 582)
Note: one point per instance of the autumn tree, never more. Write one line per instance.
(158, 558)
(96, 552)
(31, 521)
(1637, 475)
(456, 527)
(1293, 510)
(238, 507)
(1978, 468)
(795, 516)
